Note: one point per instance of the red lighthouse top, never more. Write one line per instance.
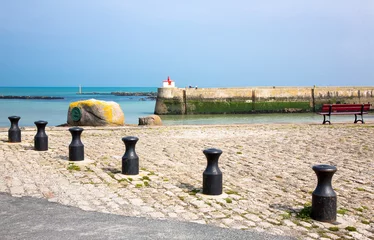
(168, 81)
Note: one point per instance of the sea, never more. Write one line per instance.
(55, 111)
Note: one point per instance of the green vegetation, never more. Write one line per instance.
(359, 209)
(139, 185)
(286, 215)
(231, 192)
(194, 191)
(334, 229)
(228, 200)
(239, 153)
(365, 222)
(239, 106)
(146, 178)
(360, 189)
(73, 167)
(280, 106)
(181, 198)
(342, 211)
(111, 174)
(350, 228)
(146, 183)
(130, 179)
(305, 212)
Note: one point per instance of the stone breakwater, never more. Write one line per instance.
(256, 99)
(267, 175)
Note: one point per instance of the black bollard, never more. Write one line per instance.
(324, 197)
(130, 161)
(14, 133)
(41, 138)
(76, 147)
(212, 176)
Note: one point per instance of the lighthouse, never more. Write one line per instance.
(168, 83)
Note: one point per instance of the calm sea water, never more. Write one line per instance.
(55, 111)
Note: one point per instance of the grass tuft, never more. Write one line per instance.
(74, 167)
(305, 212)
(334, 229)
(351, 229)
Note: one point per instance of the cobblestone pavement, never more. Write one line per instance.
(267, 175)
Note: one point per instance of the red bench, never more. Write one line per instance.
(344, 109)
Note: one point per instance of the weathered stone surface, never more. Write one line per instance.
(272, 175)
(150, 120)
(94, 112)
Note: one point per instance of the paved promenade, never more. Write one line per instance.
(266, 169)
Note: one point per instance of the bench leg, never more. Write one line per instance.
(325, 121)
(359, 120)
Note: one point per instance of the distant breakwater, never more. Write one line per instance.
(31, 97)
(179, 101)
(148, 95)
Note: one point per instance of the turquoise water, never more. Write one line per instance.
(55, 111)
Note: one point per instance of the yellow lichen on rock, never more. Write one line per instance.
(94, 112)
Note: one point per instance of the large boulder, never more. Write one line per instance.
(150, 120)
(94, 112)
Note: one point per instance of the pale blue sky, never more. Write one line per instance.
(206, 43)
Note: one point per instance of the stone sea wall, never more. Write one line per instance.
(256, 99)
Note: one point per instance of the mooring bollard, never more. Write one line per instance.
(76, 147)
(130, 161)
(41, 138)
(212, 176)
(14, 133)
(324, 197)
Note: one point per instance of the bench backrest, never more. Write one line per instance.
(345, 107)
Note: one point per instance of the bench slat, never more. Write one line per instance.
(345, 108)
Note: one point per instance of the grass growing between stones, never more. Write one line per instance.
(286, 215)
(231, 192)
(73, 167)
(342, 211)
(334, 229)
(365, 222)
(228, 200)
(305, 212)
(146, 178)
(351, 229)
(194, 191)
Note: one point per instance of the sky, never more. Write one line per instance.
(210, 43)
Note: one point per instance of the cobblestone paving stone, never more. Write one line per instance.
(266, 172)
